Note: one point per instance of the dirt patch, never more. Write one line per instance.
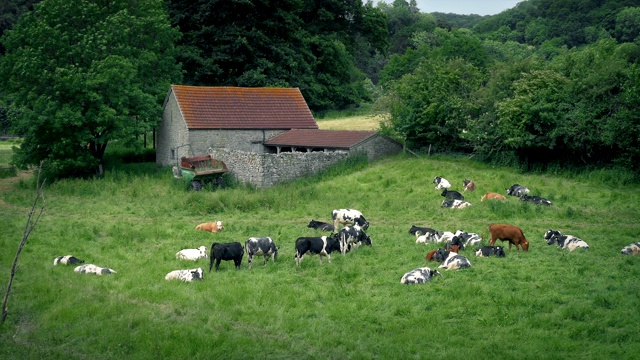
(9, 183)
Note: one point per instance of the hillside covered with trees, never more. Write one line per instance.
(546, 82)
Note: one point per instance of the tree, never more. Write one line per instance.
(84, 73)
(628, 24)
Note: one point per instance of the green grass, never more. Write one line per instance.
(543, 304)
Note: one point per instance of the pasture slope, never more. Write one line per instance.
(543, 304)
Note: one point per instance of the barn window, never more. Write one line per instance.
(173, 154)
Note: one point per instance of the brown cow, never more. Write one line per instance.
(493, 196)
(430, 254)
(211, 226)
(510, 233)
(468, 185)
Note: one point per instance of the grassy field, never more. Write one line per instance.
(543, 304)
(359, 122)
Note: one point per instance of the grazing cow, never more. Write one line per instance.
(631, 249)
(452, 195)
(211, 226)
(430, 255)
(67, 260)
(226, 251)
(468, 185)
(352, 236)
(441, 183)
(510, 233)
(93, 269)
(186, 275)
(451, 260)
(469, 239)
(492, 196)
(192, 254)
(486, 251)
(537, 200)
(348, 217)
(419, 276)
(564, 241)
(517, 190)
(423, 230)
(260, 246)
(322, 246)
(454, 204)
(319, 225)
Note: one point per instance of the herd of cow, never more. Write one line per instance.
(353, 235)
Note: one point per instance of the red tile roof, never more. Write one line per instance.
(339, 139)
(220, 107)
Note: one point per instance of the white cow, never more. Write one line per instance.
(93, 269)
(192, 254)
(186, 275)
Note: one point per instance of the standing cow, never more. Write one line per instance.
(348, 217)
(322, 246)
(261, 246)
(352, 236)
(506, 232)
(226, 251)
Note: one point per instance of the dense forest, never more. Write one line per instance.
(546, 82)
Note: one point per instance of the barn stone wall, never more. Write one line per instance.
(264, 170)
(378, 146)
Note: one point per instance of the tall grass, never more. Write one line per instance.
(543, 304)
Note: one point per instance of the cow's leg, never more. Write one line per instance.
(218, 263)
(250, 258)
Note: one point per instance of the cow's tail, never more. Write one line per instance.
(211, 257)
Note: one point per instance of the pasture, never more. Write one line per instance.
(543, 304)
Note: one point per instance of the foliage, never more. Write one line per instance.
(134, 221)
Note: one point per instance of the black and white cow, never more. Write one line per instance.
(322, 246)
(452, 260)
(419, 276)
(348, 217)
(537, 200)
(452, 194)
(93, 269)
(441, 183)
(631, 249)
(67, 260)
(319, 225)
(422, 230)
(517, 190)
(352, 236)
(455, 240)
(564, 241)
(226, 251)
(455, 204)
(186, 275)
(260, 246)
(470, 239)
(486, 251)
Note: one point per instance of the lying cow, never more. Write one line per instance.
(319, 225)
(455, 204)
(469, 239)
(352, 236)
(322, 246)
(430, 254)
(211, 227)
(441, 183)
(419, 276)
(93, 269)
(537, 200)
(186, 275)
(423, 230)
(348, 217)
(492, 196)
(192, 254)
(451, 260)
(456, 241)
(261, 246)
(486, 251)
(517, 190)
(631, 249)
(67, 260)
(426, 238)
(452, 195)
(510, 233)
(564, 241)
(226, 251)
(468, 185)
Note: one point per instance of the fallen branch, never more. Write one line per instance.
(31, 224)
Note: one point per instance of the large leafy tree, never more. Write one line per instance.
(83, 73)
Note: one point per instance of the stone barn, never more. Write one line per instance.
(264, 135)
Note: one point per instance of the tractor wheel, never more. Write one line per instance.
(196, 185)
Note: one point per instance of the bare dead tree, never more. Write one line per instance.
(32, 220)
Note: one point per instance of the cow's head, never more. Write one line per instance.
(219, 225)
(441, 255)
(500, 251)
(525, 245)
